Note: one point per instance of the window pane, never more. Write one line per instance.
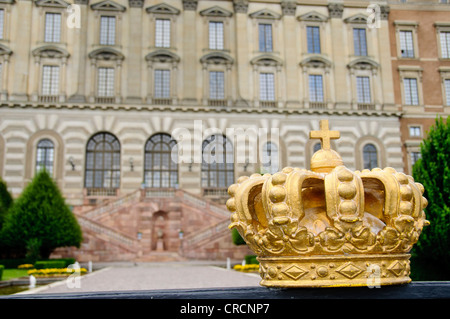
(411, 93)
(107, 30)
(162, 33)
(269, 158)
(50, 80)
(44, 156)
(266, 87)
(313, 39)
(2, 21)
(52, 27)
(102, 161)
(216, 85)
(217, 165)
(447, 91)
(162, 84)
(445, 44)
(105, 82)
(406, 44)
(315, 88)
(359, 41)
(363, 89)
(159, 167)
(370, 156)
(216, 35)
(265, 37)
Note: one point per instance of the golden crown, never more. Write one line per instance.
(329, 226)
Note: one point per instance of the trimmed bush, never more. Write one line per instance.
(251, 260)
(67, 261)
(433, 172)
(236, 237)
(1, 271)
(40, 221)
(50, 264)
(14, 263)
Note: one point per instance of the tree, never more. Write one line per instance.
(6, 201)
(40, 220)
(433, 172)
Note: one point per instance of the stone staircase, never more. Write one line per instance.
(110, 229)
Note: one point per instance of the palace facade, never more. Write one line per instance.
(100, 93)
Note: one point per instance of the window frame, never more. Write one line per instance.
(372, 152)
(114, 182)
(51, 83)
(410, 26)
(98, 79)
(313, 40)
(173, 168)
(213, 168)
(108, 35)
(264, 48)
(357, 51)
(315, 76)
(217, 46)
(45, 163)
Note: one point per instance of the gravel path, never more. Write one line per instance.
(151, 276)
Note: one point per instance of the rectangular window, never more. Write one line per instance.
(315, 88)
(2, 21)
(363, 89)
(52, 27)
(216, 35)
(216, 85)
(414, 131)
(162, 84)
(447, 91)
(445, 44)
(411, 92)
(415, 156)
(266, 87)
(265, 37)
(105, 82)
(162, 33)
(107, 30)
(406, 44)
(313, 39)
(359, 41)
(50, 80)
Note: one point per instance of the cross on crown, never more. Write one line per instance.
(325, 135)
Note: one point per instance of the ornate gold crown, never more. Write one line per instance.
(329, 226)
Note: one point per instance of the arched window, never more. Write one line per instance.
(44, 156)
(217, 162)
(317, 147)
(160, 162)
(370, 156)
(103, 163)
(270, 160)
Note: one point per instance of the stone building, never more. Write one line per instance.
(102, 105)
(420, 51)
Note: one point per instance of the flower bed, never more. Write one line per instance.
(247, 267)
(54, 272)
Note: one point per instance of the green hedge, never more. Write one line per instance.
(14, 263)
(67, 261)
(1, 271)
(49, 264)
(251, 260)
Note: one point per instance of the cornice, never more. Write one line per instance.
(197, 109)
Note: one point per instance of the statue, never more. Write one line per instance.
(329, 226)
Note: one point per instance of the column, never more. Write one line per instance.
(338, 46)
(134, 54)
(291, 39)
(78, 59)
(189, 52)
(243, 90)
(21, 34)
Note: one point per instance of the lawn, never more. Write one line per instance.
(14, 273)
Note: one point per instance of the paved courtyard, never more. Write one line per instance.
(153, 276)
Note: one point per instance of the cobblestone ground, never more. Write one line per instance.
(151, 276)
